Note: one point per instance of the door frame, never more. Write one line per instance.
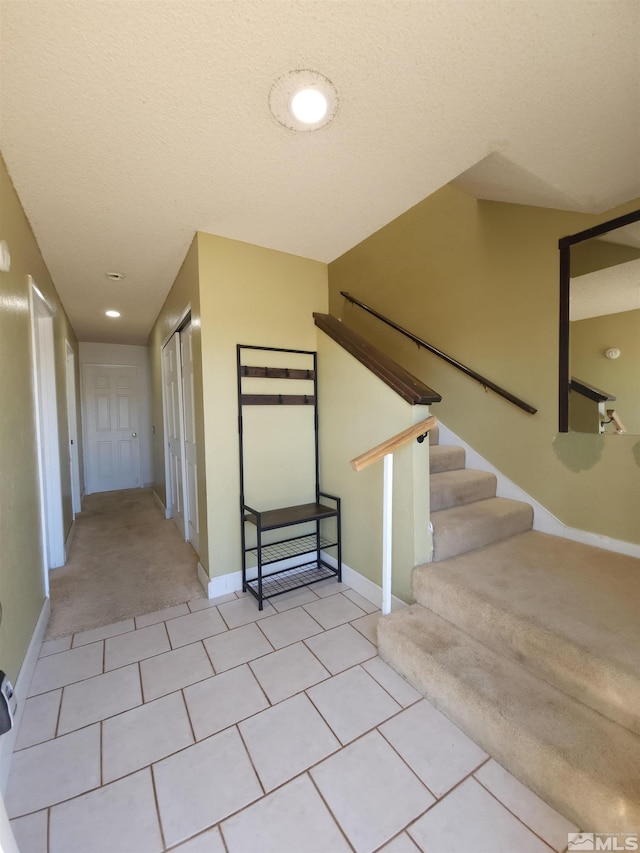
(85, 420)
(181, 321)
(47, 438)
(72, 415)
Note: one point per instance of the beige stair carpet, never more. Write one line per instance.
(125, 560)
(583, 764)
(530, 643)
(568, 611)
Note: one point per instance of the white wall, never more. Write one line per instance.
(139, 356)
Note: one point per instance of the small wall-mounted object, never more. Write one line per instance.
(5, 257)
(612, 353)
(6, 694)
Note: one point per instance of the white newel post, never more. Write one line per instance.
(387, 525)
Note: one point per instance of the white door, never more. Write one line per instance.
(172, 378)
(111, 425)
(191, 461)
(74, 465)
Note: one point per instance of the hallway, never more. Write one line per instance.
(125, 560)
(212, 726)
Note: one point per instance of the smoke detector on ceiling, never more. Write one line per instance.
(303, 100)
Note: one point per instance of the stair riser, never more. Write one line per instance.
(444, 457)
(607, 689)
(465, 491)
(451, 540)
(546, 769)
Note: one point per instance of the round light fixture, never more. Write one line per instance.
(111, 313)
(114, 276)
(309, 105)
(613, 353)
(303, 100)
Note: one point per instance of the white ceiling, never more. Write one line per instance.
(127, 126)
(608, 291)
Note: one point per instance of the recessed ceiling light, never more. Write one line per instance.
(114, 276)
(309, 105)
(303, 100)
(111, 313)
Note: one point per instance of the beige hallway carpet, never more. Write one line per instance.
(125, 560)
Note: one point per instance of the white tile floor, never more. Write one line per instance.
(215, 727)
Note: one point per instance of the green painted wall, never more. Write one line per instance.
(248, 295)
(239, 293)
(621, 377)
(21, 581)
(479, 280)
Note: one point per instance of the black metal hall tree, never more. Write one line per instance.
(319, 520)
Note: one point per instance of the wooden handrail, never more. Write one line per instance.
(486, 383)
(391, 444)
(614, 418)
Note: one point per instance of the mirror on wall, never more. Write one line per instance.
(600, 328)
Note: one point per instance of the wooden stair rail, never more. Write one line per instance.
(418, 431)
(614, 418)
(486, 383)
(407, 386)
(386, 449)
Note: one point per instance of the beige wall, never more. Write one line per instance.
(480, 281)
(357, 412)
(248, 295)
(184, 293)
(621, 377)
(21, 581)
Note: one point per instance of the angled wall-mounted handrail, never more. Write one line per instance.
(418, 431)
(486, 383)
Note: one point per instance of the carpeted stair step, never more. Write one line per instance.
(583, 764)
(566, 611)
(445, 457)
(463, 486)
(463, 528)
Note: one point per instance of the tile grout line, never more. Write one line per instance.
(504, 806)
(328, 807)
(186, 707)
(157, 805)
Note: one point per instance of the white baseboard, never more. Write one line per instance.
(165, 511)
(366, 588)
(232, 582)
(21, 691)
(543, 520)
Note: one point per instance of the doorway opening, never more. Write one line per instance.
(181, 464)
(46, 409)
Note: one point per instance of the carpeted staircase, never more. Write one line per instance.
(531, 644)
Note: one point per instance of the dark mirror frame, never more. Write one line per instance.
(565, 244)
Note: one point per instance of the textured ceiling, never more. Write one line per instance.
(607, 291)
(127, 126)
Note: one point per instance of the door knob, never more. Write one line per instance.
(134, 434)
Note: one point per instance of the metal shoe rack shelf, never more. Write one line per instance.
(303, 552)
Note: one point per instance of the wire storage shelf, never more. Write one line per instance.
(287, 580)
(291, 548)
